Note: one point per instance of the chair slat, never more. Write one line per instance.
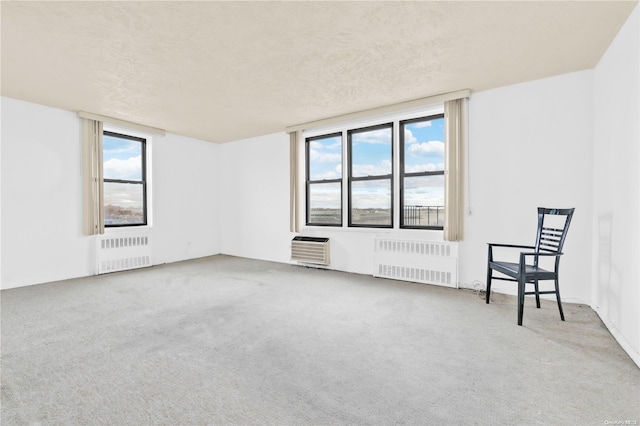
(553, 229)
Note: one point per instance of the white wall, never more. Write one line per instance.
(41, 217)
(41, 187)
(255, 209)
(0, 196)
(254, 198)
(186, 201)
(616, 219)
(530, 146)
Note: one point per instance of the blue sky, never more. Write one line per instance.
(424, 146)
(122, 160)
(423, 151)
(326, 158)
(371, 152)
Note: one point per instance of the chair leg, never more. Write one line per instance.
(521, 284)
(535, 283)
(558, 298)
(489, 272)
(489, 275)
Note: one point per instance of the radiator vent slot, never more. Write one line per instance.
(417, 261)
(310, 250)
(123, 252)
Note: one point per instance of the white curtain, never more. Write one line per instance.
(455, 113)
(92, 197)
(294, 223)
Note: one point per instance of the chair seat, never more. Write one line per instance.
(512, 269)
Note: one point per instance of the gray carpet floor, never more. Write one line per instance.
(224, 340)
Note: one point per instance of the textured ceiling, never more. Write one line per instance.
(222, 71)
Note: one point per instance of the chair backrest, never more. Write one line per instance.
(553, 225)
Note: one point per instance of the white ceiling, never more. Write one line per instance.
(223, 71)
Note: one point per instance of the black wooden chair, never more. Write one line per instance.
(549, 242)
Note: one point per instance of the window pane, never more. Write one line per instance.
(371, 202)
(371, 153)
(424, 146)
(325, 204)
(122, 158)
(325, 158)
(123, 203)
(423, 201)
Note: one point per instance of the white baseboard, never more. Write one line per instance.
(622, 341)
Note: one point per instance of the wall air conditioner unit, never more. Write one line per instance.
(310, 250)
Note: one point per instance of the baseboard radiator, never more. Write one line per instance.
(310, 250)
(123, 252)
(425, 262)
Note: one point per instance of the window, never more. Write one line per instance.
(394, 172)
(370, 153)
(125, 184)
(324, 180)
(422, 172)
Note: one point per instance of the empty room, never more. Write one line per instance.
(320, 213)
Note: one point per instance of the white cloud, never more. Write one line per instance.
(371, 194)
(422, 124)
(333, 144)
(119, 151)
(380, 136)
(324, 157)
(123, 195)
(368, 200)
(425, 183)
(423, 199)
(428, 167)
(424, 191)
(127, 169)
(330, 174)
(382, 168)
(325, 196)
(408, 137)
(426, 148)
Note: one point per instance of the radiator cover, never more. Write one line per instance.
(417, 261)
(121, 252)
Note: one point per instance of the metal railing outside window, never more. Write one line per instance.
(424, 216)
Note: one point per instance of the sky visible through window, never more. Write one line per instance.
(424, 152)
(371, 152)
(122, 160)
(325, 163)
(372, 157)
(325, 158)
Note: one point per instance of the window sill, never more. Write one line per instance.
(417, 234)
(127, 229)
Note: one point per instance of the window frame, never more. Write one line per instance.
(143, 181)
(402, 175)
(351, 178)
(309, 182)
